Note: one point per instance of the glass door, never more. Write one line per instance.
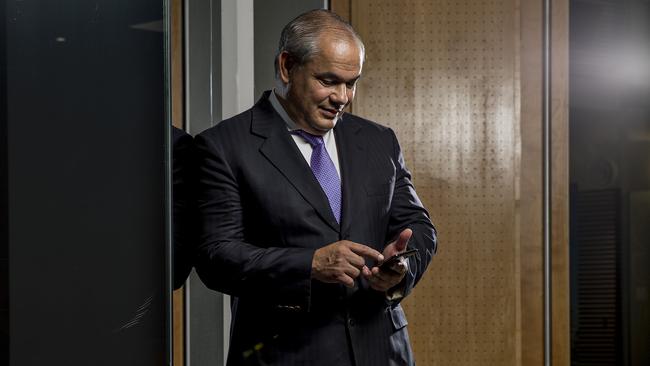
(610, 182)
(84, 183)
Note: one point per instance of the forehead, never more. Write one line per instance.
(338, 54)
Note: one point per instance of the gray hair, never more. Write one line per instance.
(300, 36)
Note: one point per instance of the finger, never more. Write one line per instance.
(375, 282)
(403, 239)
(366, 272)
(382, 275)
(355, 260)
(378, 284)
(390, 250)
(352, 271)
(347, 281)
(391, 277)
(366, 251)
(373, 279)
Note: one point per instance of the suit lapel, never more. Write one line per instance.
(351, 161)
(281, 151)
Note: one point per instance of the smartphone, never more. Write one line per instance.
(388, 263)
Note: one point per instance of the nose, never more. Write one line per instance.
(339, 95)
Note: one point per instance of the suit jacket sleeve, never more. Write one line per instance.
(183, 212)
(407, 211)
(226, 262)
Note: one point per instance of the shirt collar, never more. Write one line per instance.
(291, 125)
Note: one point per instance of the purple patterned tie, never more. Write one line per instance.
(324, 171)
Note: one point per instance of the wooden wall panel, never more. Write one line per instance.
(443, 76)
(341, 8)
(460, 82)
(530, 200)
(561, 307)
(177, 96)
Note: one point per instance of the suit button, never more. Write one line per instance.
(351, 322)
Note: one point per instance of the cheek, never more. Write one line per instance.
(315, 92)
(320, 95)
(351, 93)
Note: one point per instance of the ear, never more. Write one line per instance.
(286, 63)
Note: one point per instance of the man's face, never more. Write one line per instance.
(318, 91)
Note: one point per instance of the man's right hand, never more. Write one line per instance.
(342, 262)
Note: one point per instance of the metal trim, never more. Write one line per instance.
(546, 174)
(167, 145)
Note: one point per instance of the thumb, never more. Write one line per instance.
(403, 240)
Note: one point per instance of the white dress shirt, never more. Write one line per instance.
(304, 146)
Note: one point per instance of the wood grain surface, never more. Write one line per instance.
(177, 94)
(460, 83)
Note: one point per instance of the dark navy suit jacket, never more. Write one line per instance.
(184, 213)
(263, 214)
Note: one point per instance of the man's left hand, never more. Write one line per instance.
(384, 279)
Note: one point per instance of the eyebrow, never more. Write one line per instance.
(332, 76)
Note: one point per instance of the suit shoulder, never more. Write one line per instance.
(366, 123)
(236, 125)
(180, 137)
(367, 126)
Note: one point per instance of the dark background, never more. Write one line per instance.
(609, 106)
(82, 167)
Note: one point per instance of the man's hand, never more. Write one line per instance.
(342, 262)
(383, 280)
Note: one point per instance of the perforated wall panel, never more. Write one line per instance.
(443, 75)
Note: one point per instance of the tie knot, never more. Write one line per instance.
(313, 140)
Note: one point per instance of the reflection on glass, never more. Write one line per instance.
(85, 145)
(184, 213)
(610, 182)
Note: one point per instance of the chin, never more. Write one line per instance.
(325, 126)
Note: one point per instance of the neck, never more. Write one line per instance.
(300, 123)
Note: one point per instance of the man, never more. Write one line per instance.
(300, 203)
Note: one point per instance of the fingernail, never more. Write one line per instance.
(381, 257)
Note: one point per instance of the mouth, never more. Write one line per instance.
(329, 113)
